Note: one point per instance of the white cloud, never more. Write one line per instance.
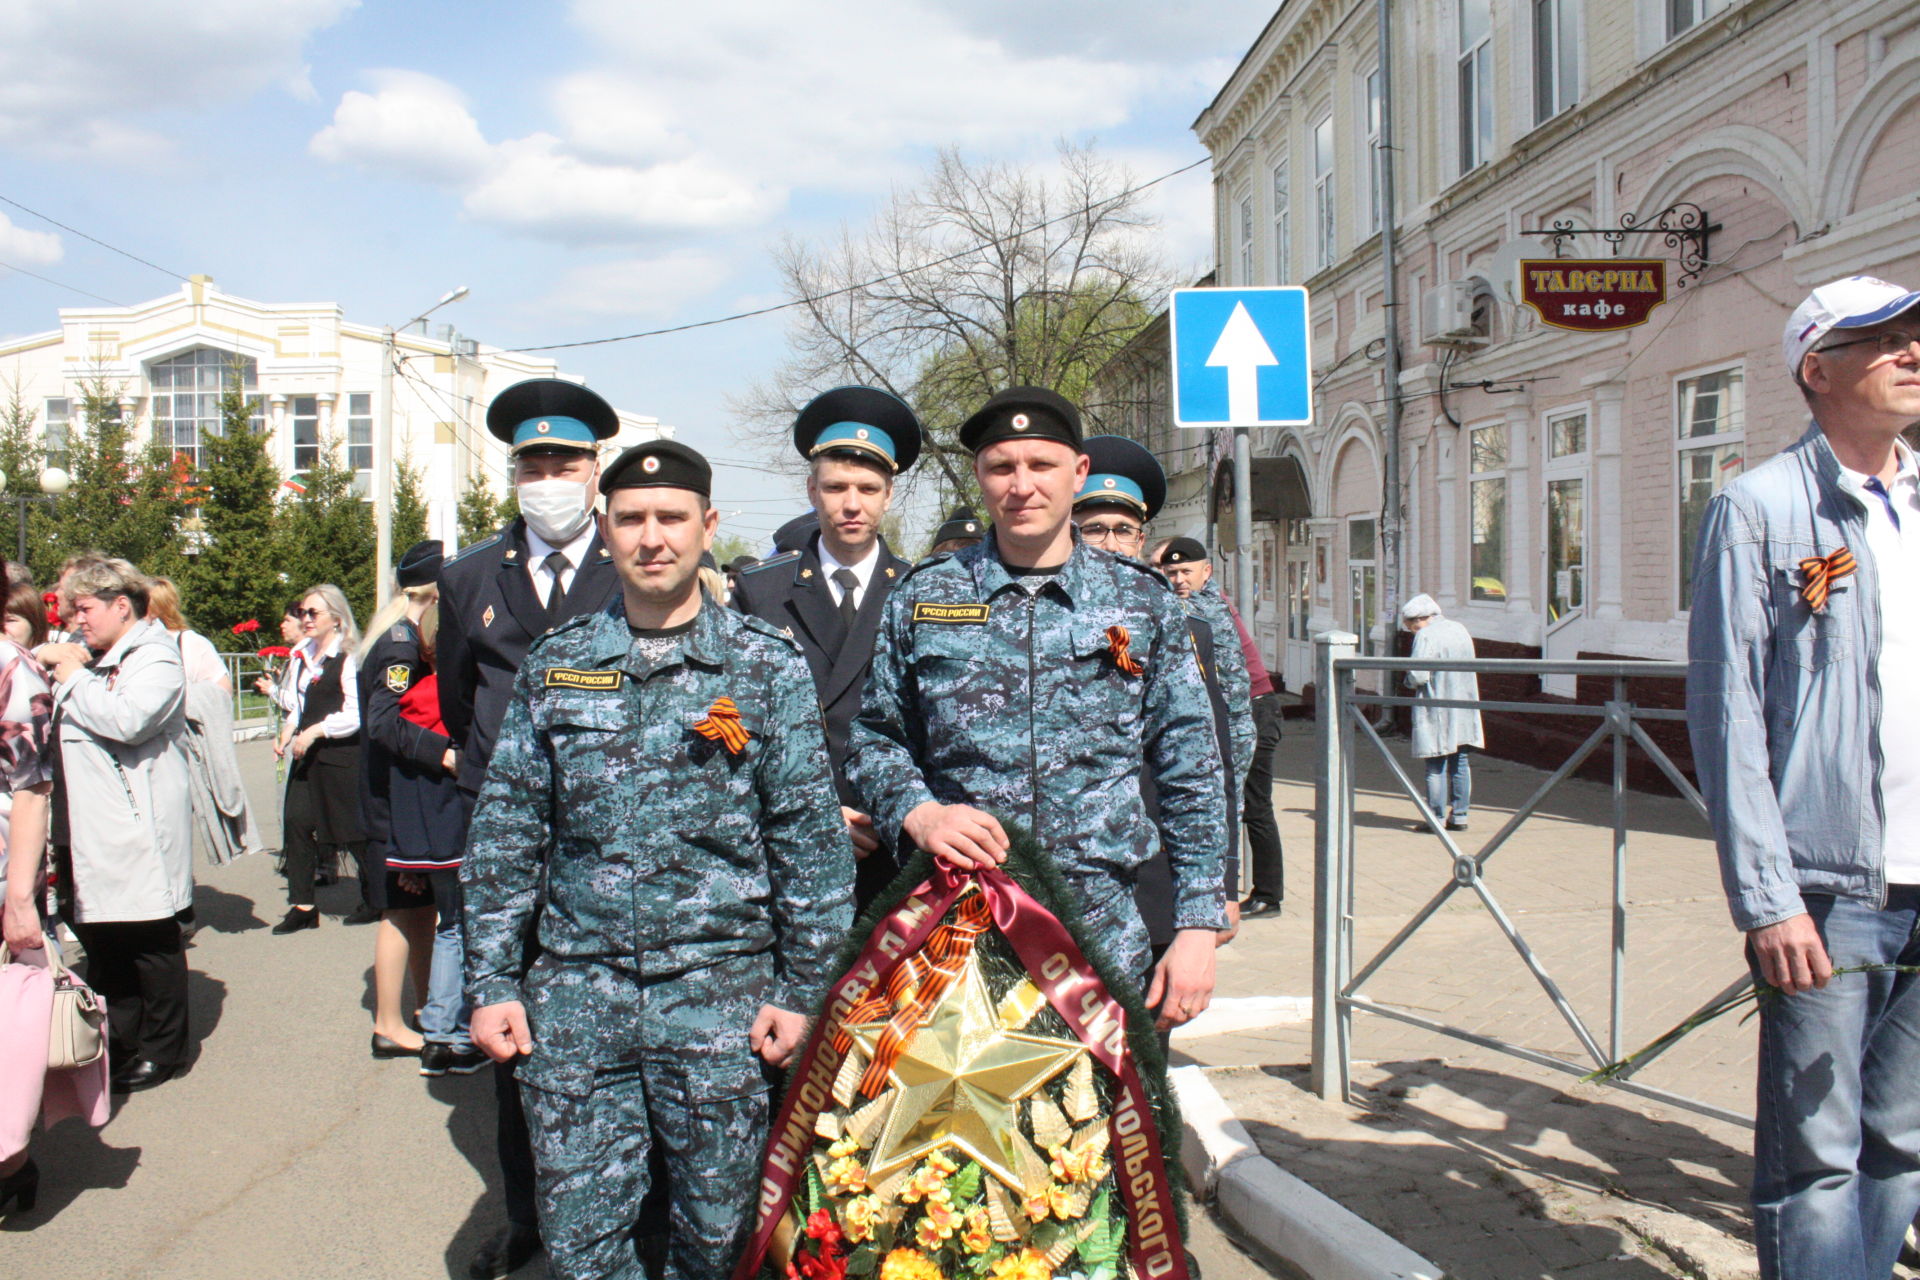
(28, 248)
(640, 288)
(412, 125)
(537, 186)
(72, 70)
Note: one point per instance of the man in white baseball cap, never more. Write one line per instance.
(1803, 703)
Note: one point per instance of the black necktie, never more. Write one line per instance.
(848, 582)
(556, 564)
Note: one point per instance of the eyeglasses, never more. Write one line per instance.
(309, 613)
(1101, 532)
(1892, 342)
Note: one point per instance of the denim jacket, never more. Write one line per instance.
(1783, 703)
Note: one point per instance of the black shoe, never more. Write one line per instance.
(464, 1062)
(506, 1253)
(1456, 824)
(1258, 905)
(385, 1048)
(21, 1188)
(433, 1058)
(362, 914)
(142, 1073)
(297, 920)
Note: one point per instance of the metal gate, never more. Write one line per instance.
(1343, 724)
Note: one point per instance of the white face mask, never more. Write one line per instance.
(557, 510)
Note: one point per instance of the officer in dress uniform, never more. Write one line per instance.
(1035, 678)
(496, 597)
(829, 594)
(1123, 492)
(661, 810)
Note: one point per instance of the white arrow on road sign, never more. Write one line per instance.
(1242, 351)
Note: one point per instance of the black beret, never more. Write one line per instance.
(797, 532)
(550, 414)
(1122, 473)
(961, 524)
(1184, 551)
(864, 421)
(740, 562)
(1022, 413)
(420, 563)
(658, 464)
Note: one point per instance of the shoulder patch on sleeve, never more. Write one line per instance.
(398, 676)
(466, 551)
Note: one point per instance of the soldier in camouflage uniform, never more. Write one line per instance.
(1033, 677)
(660, 809)
(1185, 563)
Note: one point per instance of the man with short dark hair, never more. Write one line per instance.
(829, 594)
(1030, 678)
(1803, 703)
(660, 810)
(496, 597)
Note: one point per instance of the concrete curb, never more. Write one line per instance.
(1274, 1210)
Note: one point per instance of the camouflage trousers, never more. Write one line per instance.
(621, 1064)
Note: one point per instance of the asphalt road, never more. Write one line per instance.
(287, 1150)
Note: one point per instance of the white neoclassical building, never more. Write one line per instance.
(316, 373)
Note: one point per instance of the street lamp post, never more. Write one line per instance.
(53, 483)
(383, 451)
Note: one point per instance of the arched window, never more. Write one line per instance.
(186, 396)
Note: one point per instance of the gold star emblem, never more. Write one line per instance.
(959, 1082)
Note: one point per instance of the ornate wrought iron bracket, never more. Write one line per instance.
(1682, 226)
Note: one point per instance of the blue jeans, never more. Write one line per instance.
(444, 1018)
(1441, 770)
(1837, 1136)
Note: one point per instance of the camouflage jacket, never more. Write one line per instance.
(1208, 605)
(625, 837)
(987, 693)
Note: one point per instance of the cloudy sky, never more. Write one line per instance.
(587, 168)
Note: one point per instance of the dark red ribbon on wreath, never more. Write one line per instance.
(1056, 964)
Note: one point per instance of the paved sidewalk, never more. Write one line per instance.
(1488, 1165)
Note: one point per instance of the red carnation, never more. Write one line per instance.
(52, 600)
(276, 651)
(242, 628)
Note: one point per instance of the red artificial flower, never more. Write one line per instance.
(52, 600)
(276, 651)
(242, 628)
(822, 1227)
(828, 1265)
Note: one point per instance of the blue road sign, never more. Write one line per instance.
(1240, 357)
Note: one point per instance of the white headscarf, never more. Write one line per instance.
(1421, 606)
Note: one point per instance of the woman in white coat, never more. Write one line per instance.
(1441, 735)
(124, 814)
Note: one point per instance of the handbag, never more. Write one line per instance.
(75, 1037)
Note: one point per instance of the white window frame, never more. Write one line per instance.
(1245, 229)
(309, 449)
(1326, 228)
(1473, 88)
(1362, 626)
(57, 436)
(1681, 16)
(1573, 465)
(1475, 478)
(1734, 437)
(1556, 76)
(1282, 177)
(1371, 102)
(164, 401)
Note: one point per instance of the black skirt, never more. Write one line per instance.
(330, 772)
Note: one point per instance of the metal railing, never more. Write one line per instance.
(1339, 984)
(250, 709)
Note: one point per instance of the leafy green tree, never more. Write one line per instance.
(327, 534)
(409, 505)
(478, 513)
(20, 458)
(124, 501)
(231, 577)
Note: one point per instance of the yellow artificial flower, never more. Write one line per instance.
(1060, 1200)
(909, 1264)
(943, 1162)
(844, 1147)
(977, 1235)
(846, 1175)
(927, 1183)
(1069, 1165)
(1036, 1206)
(858, 1216)
(1028, 1264)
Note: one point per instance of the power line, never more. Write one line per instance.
(96, 239)
(865, 284)
(71, 288)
